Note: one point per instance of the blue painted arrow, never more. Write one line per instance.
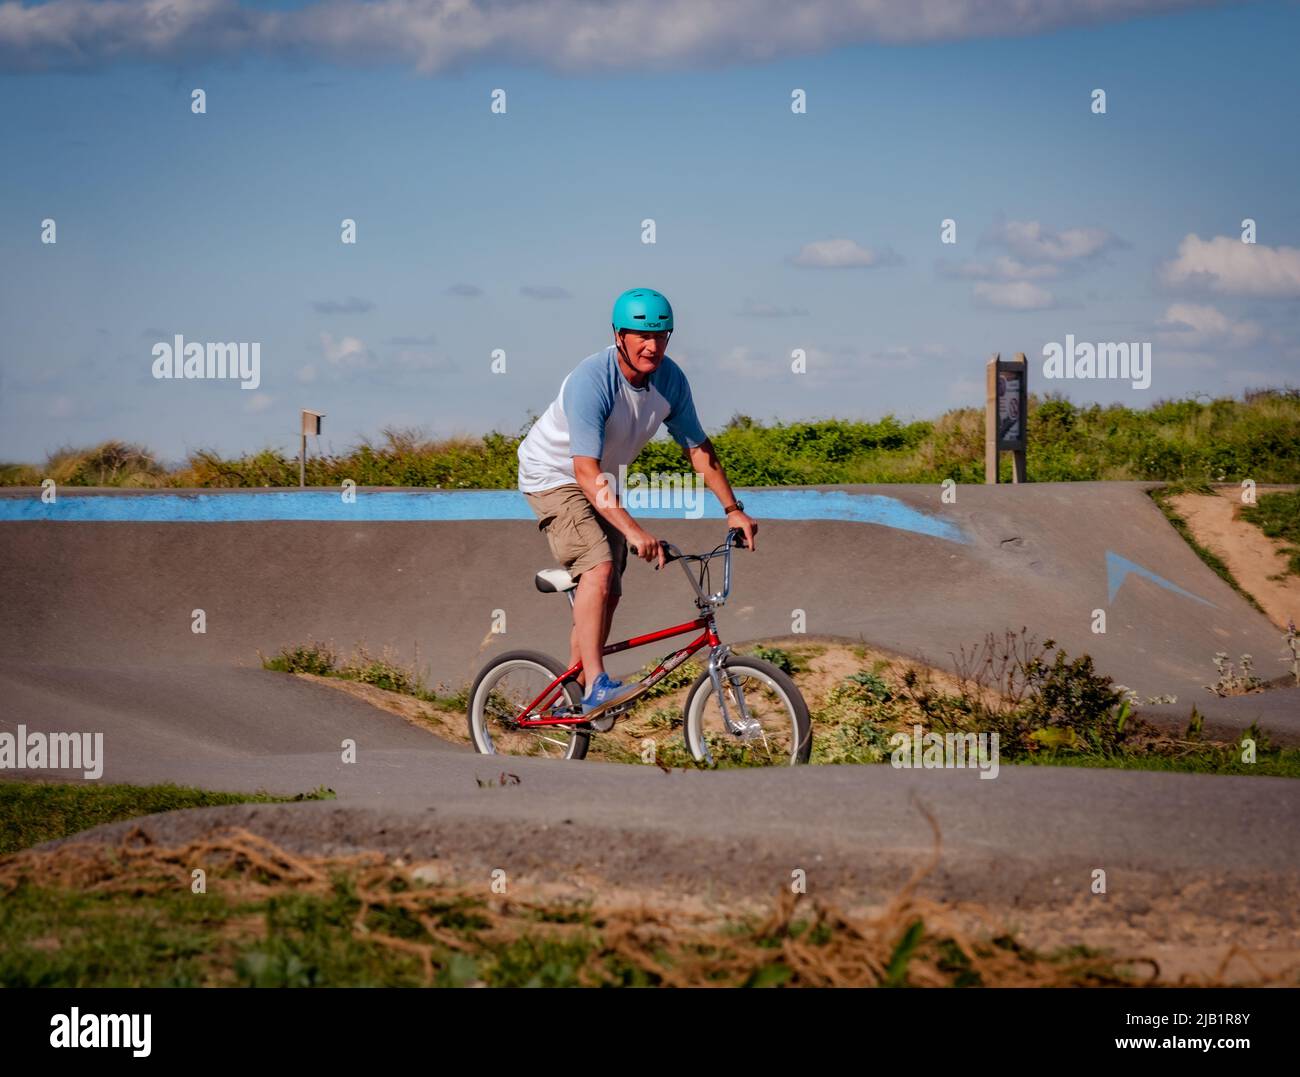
(1118, 568)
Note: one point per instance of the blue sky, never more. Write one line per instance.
(478, 232)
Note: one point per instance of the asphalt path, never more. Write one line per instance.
(1050, 558)
(96, 635)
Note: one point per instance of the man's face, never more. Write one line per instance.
(645, 351)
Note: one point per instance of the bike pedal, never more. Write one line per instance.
(602, 724)
(602, 720)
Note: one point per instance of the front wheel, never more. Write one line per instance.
(768, 716)
(501, 694)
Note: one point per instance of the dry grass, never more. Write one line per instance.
(798, 942)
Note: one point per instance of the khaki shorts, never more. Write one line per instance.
(579, 536)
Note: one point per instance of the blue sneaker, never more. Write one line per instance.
(604, 691)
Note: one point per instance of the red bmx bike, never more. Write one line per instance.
(740, 710)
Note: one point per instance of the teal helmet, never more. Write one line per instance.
(643, 310)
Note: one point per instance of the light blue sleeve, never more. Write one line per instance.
(682, 422)
(587, 402)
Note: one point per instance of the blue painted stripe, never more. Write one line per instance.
(794, 504)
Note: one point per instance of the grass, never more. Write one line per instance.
(790, 662)
(111, 463)
(1203, 759)
(35, 812)
(270, 918)
(1187, 440)
(1278, 516)
(383, 672)
(1047, 708)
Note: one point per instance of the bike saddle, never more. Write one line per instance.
(554, 581)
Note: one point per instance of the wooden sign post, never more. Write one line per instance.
(1005, 411)
(310, 425)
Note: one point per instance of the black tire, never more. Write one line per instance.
(790, 740)
(482, 726)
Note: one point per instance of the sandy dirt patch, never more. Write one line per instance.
(446, 724)
(1251, 556)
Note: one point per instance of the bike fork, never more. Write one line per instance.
(717, 657)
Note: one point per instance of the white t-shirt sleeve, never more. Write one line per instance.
(587, 403)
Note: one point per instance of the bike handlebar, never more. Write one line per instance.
(735, 537)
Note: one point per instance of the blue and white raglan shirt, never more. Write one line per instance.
(599, 413)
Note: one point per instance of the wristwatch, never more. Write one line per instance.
(737, 506)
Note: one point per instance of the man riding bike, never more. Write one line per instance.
(608, 408)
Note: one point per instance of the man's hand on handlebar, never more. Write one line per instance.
(741, 522)
(644, 545)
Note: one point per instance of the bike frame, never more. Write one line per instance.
(708, 637)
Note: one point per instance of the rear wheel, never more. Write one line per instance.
(502, 692)
(774, 727)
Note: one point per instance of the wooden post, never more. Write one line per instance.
(1006, 399)
(310, 425)
(991, 421)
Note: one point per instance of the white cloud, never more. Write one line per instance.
(1192, 326)
(742, 361)
(346, 352)
(574, 36)
(259, 402)
(1002, 267)
(1014, 295)
(307, 373)
(840, 254)
(1230, 267)
(345, 355)
(1037, 253)
(1035, 243)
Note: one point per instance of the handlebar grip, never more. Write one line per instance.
(738, 538)
(667, 556)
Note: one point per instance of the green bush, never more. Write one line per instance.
(1186, 440)
(317, 658)
(1035, 697)
(382, 673)
(783, 660)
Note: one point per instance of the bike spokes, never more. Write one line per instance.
(760, 729)
(506, 702)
